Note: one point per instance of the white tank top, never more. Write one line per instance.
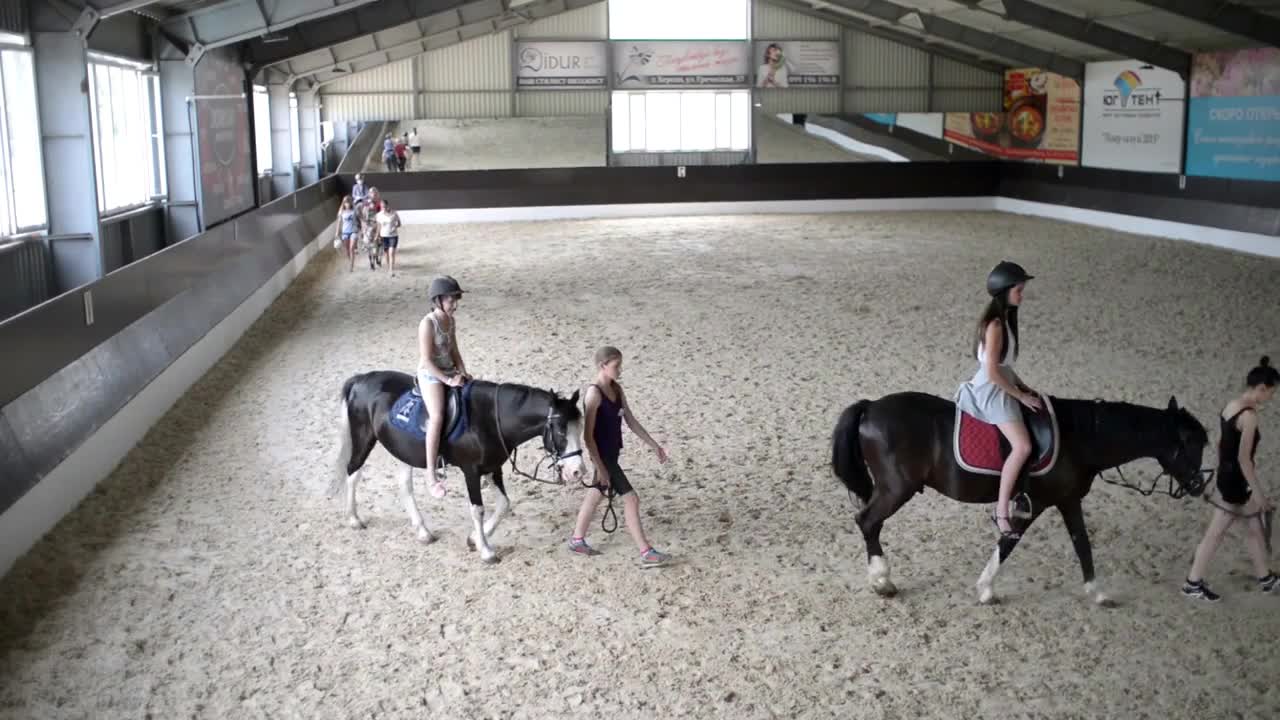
(1010, 357)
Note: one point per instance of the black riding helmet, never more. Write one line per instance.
(1004, 276)
(443, 285)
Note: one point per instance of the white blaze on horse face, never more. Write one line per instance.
(571, 469)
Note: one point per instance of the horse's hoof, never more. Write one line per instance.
(471, 543)
(885, 588)
(355, 523)
(987, 596)
(1103, 601)
(425, 537)
(492, 559)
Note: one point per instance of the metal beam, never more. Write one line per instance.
(961, 34)
(888, 33)
(233, 21)
(416, 37)
(346, 26)
(443, 35)
(1227, 16)
(1090, 32)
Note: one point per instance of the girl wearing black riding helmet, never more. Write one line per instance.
(439, 364)
(1237, 479)
(993, 393)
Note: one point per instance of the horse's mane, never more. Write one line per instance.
(1116, 419)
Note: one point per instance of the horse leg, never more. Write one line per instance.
(1073, 517)
(411, 506)
(479, 537)
(1004, 548)
(884, 503)
(358, 440)
(491, 521)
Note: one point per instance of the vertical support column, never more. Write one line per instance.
(177, 83)
(416, 75)
(66, 138)
(312, 160)
(928, 101)
(281, 140)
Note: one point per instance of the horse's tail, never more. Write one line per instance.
(343, 457)
(846, 452)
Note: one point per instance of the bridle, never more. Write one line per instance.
(1194, 487)
(548, 444)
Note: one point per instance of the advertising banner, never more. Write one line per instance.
(222, 136)
(648, 64)
(792, 63)
(1040, 122)
(561, 65)
(924, 123)
(1132, 117)
(1233, 128)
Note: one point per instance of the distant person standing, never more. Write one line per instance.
(389, 153)
(389, 231)
(414, 145)
(402, 152)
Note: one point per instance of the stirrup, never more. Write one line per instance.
(1015, 507)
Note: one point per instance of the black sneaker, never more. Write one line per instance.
(1270, 583)
(1200, 591)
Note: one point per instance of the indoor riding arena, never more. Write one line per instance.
(774, 209)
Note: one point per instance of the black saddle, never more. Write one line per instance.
(452, 409)
(1041, 427)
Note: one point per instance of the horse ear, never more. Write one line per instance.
(574, 398)
(1173, 403)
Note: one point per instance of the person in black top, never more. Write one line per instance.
(1238, 484)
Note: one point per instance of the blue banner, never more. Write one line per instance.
(882, 118)
(1234, 137)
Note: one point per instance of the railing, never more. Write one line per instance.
(26, 275)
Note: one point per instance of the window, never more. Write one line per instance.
(22, 203)
(262, 129)
(700, 20)
(681, 121)
(128, 137)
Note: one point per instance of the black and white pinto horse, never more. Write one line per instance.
(483, 423)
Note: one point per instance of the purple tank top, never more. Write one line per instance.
(608, 428)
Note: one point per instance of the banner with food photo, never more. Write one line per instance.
(1042, 120)
(981, 131)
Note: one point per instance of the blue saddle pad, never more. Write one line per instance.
(409, 413)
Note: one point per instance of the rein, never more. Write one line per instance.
(555, 457)
(1177, 493)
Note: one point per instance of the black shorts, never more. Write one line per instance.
(416, 150)
(617, 479)
(1233, 488)
(390, 242)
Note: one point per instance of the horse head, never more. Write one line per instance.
(562, 438)
(1182, 455)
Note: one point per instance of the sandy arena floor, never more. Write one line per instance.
(210, 578)
(502, 143)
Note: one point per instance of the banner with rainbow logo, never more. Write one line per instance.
(1234, 126)
(1132, 117)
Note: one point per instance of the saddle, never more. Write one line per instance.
(409, 413)
(981, 448)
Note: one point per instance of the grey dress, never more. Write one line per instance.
(985, 400)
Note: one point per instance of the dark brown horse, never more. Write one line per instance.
(908, 442)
